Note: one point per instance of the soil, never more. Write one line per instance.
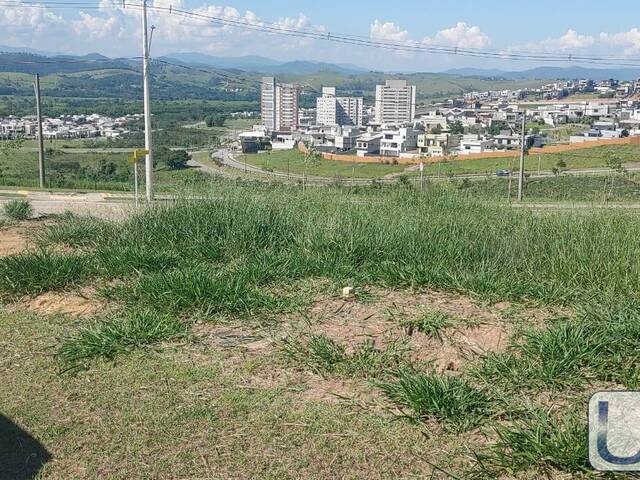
(12, 241)
(76, 304)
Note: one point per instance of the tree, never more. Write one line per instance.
(7, 147)
(216, 120)
(437, 129)
(616, 163)
(173, 159)
(457, 127)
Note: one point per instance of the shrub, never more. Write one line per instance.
(18, 210)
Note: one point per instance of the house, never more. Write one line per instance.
(397, 141)
(436, 144)
(368, 144)
(507, 140)
(475, 144)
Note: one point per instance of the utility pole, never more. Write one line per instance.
(36, 87)
(148, 163)
(522, 150)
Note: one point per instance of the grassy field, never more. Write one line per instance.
(577, 159)
(211, 336)
(85, 170)
(294, 162)
(565, 188)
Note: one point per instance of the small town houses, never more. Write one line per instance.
(66, 127)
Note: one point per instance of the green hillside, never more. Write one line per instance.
(95, 78)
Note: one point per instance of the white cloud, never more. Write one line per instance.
(630, 40)
(461, 35)
(571, 41)
(388, 31)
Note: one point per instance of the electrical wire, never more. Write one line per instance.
(415, 47)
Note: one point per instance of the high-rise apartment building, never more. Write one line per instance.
(279, 105)
(395, 103)
(333, 110)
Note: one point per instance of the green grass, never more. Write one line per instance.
(118, 335)
(594, 189)
(459, 405)
(190, 409)
(292, 161)
(600, 344)
(18, 210)
(432, 324)
(280, 235)
(540, 442)
(42, 271)
(238, 258)
(577, 159)
(322, 355)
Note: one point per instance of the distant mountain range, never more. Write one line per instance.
(7, 49)
(550, 73)
(254, 64)
(259, 64)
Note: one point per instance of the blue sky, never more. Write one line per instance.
(544, 26)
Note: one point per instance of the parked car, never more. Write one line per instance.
(503, 173)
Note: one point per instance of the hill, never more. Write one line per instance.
(554, 73)
(96, 76)
(262, 64)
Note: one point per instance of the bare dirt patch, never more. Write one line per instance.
(477, 330)
(76, 304)
(12, 241)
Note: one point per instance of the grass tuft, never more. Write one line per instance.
(432, 324)
(601, 343)
(18, 210)
(452, 401)
(539, 441)
(324, 355)
(118, 335)
(42, 271)
(76, 231)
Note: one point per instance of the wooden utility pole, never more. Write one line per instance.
(36, 87)
(522, 150)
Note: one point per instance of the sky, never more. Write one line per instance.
(569, 27)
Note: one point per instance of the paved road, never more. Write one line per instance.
(100, 204)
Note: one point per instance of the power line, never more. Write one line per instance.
(354, 39)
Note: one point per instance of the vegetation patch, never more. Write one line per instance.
(601, 344)
(432, 324)
(118, 335)
(18, 210)
(452, 401)
(41, 271)
(542, 442)
(322, 355)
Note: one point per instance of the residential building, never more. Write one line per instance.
(436, 144)
(506, 140)
(475, 144)
(268, 103)
(279, 105)
(368, 144)
(395, 103)
(334, 110)
(397, 141)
